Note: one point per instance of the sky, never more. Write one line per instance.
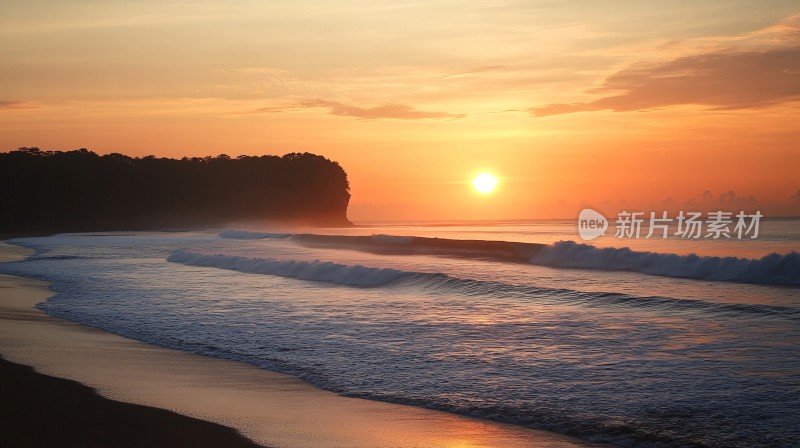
(612, 105)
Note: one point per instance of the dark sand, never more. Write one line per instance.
(42, 411)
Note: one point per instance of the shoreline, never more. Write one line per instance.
(270, 408)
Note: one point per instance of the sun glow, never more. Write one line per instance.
(484, 183)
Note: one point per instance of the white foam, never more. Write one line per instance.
(771, 269)
(305, 270)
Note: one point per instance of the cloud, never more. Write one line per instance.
(11, 105)
(761, 69)
(397, 111)
(476, 70)
(726, 201)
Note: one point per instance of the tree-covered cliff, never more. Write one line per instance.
(80, 190)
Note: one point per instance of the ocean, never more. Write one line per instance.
(633, 342)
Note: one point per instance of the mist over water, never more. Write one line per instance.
(630, 357)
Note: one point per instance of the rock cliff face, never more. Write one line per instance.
(80, 190)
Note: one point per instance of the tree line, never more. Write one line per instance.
(81, 190)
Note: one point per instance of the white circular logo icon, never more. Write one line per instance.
(591, 224)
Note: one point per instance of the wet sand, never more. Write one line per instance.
(270, 408)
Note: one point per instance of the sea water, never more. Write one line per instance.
(647, 346)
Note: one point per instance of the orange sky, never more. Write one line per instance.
(611, 105)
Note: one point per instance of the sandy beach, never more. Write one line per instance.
(270, 408)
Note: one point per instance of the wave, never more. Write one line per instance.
(775, 269)
(363, 276)
(771, 269)
(304, 270)
(405, 245)
(247, 235)
(483, 288)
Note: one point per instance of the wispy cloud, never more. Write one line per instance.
(476, 70)
(761, 69)
(396, 111)
(12, 105)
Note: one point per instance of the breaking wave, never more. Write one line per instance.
(774, 269)
(304, 270)
(363, 276)
(770, 269)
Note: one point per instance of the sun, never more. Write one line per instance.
(484, 183)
